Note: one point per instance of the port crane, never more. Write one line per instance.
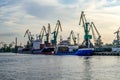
(97, 40)
(86, 27)
(42, 33)
(117, 40)
(55, 32)
(48, 34)
(30, 36)
(72, 35)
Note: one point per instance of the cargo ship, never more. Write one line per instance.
(64, 48)
(45, 51)
(73, 50)
(39, 48)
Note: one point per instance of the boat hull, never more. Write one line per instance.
(45, 51)
(65, 53)
(84, 52)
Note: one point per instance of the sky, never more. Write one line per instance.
(16, 16)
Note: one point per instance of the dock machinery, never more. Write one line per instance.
(42, 33)
(116, 41)
(72, 36)
(86, 26)
(48, 32)
(96, 35)
(55, 32)
(30, 38)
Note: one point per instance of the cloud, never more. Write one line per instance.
(67, 2)
(40, 11)
(112, 3)
(19, 15)
(9, 37)
(48, 12)
(9, 34)
(7, 2)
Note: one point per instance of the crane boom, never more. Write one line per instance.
(97, 41)
(43, 31)
(117, 40)
(58, 25)
(94, 37)
(48, 33)
(26, 32)
(73, 37)
(85, 25)
(92, 23)
(117, 30)
(56, 31)
(83, 19)
(30, 36)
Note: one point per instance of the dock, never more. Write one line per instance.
(107, 53)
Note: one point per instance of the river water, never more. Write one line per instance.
(48, 67)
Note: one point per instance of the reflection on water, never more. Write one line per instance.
(87, 68)
(46, 67)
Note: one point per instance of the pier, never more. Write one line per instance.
(107, 53)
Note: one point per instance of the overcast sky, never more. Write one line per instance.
(18, 15)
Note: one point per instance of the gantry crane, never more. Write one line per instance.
(48, 34)
(86, 27)
(97, 40)
(117, 38)
(72, 35)
(56, 31)
(42, 33)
